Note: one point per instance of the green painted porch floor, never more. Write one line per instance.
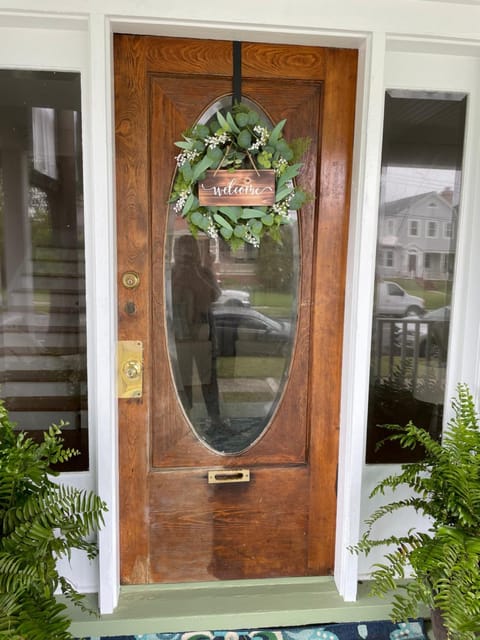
(228, 605)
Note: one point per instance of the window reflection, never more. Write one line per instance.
(420, 192)
(42, 345)
(231, 333)
(231, 327)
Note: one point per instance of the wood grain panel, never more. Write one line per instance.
(133, 255)
(328, 309)
(280, 61)
(174, 526)
(223, 531)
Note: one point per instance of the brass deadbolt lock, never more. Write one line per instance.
(130, 279)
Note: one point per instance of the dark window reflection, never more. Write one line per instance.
(418, 217)
(42, 347)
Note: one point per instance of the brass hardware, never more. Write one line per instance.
(130, 279)
(130, 369)
(223, 476)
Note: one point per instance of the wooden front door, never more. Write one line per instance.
(175, 526)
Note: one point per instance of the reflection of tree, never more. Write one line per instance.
(275, 263)
(40, 218)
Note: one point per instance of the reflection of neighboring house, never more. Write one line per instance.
(417, 237)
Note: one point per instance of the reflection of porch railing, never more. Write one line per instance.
(409, 350)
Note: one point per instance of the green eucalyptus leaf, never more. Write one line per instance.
(289, 174)
(267, 220)
(183, 145)
(186, 171)
(234, 213)
(222, 222)
(251, 213)
(199, 146)
(276, 132)
(196, 218)
(283, 193)
(222, 122)
(188, 204)
(255, 227)
(215, 154)
(202, 130)
(226, 233)
(240, 230)
(232, 124)
(244, 139)
(204, 164)
(242, 119)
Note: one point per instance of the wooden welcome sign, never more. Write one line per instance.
(244, 187)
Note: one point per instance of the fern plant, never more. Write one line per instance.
(40, 522)
(442, 564)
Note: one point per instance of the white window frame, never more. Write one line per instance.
(447, 234)
(32, 43)
(409, 66)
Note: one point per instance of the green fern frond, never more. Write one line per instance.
(40, 521)
(444, 562)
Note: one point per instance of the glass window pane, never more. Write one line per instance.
(416, 244)
(43, 369)
(231, 330)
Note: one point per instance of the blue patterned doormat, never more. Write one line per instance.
(376, 630)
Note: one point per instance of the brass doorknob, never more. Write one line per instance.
(132, 369)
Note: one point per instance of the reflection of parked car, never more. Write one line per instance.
(430, 332)
(233, 298)
(393, 300)
(246, 332)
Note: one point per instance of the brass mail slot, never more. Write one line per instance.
(223, 476)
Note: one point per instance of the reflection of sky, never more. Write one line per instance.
(403, 182)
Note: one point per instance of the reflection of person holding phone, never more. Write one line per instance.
(194, 290)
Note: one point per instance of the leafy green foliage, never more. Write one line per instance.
(444, 561)
(238, 140)
(41, 521)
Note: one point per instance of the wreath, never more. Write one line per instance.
(237, 140)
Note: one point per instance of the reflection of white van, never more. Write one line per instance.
(393, 300)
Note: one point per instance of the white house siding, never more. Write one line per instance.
(428, 216)
(412, 44)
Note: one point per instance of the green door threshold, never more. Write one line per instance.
(229, 605)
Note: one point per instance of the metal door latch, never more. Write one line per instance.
(130, 369)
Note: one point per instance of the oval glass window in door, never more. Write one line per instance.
(231, 321)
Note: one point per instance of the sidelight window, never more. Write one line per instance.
(43, 372)
(421, 177)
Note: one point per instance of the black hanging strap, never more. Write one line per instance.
(237, 73)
